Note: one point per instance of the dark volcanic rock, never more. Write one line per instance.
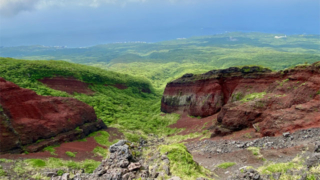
(26, 117)
(121, 165)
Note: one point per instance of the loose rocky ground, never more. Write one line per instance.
(281, 149)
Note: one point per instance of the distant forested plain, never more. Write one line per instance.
(164, 61)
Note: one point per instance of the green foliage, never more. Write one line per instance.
(31, 71)
(71, 154)
(132, 137)
(60, 172)
(279, 167)
(2, 172)
(5, 160)
(225, 165)
(164, 61)
(50, 149)
(127, 109)
(99, 151)
(55, 163)
(237, 96)
(37, 163)
(181, 162)
(101, 137)
(254, 150)
(253, 96)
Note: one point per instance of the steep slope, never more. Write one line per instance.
(31, 122)
(271, 102)
(125, 102)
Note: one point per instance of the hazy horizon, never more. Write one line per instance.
(91, 22)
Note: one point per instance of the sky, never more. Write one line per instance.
(78, 23)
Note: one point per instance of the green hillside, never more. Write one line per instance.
(129, 109)
(165, 61)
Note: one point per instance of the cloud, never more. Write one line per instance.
(12, 7)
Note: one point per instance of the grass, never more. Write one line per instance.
(226, 165)
(60, 172)
(279, 167)
(128, 109)
(253, 96)
(2, 172)
(55, 163)
(37, 163)
(51, 149)
(99, 151)
(71, 154)
(182, 163)
(254, 150)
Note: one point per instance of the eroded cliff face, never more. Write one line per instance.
(29, 122)
(271, 102)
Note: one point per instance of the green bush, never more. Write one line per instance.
(37, 163)
(60, 172)
(182, 163)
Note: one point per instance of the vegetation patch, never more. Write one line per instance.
(71, 154)
(253, 96)
(279, 167)
(225, 165)
(51, 149)
(181, 162)
(255, 151)
(99, 151)
(2, 172)
(37, 163)
(128, 109)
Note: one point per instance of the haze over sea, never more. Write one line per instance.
(86, 23)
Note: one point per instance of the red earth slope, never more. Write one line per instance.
(271, 102)
(29, 122)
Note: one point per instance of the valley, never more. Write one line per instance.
(214, 107)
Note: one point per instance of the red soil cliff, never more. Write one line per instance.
(30, 122)
(272, 102)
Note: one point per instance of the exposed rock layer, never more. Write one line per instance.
(31, 122)
(272, 102)
(69, 85)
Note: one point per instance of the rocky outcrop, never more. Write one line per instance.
(29, 122)
(272, 102)
(122, 164)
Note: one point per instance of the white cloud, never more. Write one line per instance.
(13, 7)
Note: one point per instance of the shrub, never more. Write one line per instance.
(181, 162)
(37, 163)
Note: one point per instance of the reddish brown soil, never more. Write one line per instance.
(83, 149)
(70, 85)
(114, 134)
(32, 117)
(193, 124)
